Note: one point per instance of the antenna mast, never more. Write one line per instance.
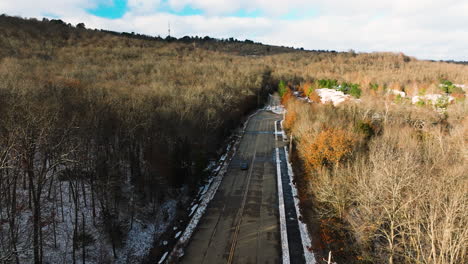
(169, 29)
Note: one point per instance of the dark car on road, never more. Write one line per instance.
(244, 165)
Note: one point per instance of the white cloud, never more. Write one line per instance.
(425, 29)
(143, 6)
(28, 8)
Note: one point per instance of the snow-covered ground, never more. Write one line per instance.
(140, 238)
(432, 98)
(396, 92)
(332, 95)
(58, 222)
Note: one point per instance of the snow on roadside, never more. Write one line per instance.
(212, 187)
(306, 240)
(278, 109)
(163, 258)
(285, 138)
(194, 207)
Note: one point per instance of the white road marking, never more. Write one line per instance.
(306, 241)
(284, 234)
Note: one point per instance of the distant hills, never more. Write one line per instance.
(231, 45)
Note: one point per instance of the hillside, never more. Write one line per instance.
(105, 137)
(129, 125)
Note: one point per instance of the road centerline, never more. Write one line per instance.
(251, 235)
(244, 199)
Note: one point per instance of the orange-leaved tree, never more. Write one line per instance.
(307, 88)
(290, 118)
(309, 91)
(286, 97)
(330, 147)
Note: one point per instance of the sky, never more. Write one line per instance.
(426, 29)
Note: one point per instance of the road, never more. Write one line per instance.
(241, 223)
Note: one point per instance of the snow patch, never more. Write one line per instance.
(193, 209)
(332, 95)
(223, 158)
(285, 138)
(306, 240)
(163, 258)
(396, 92)
(140, 238)
(277, 109)
(433, 98)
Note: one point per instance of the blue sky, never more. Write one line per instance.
(434, 29)
(113, 10)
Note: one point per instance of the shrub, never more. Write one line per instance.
(327, 83)
(442, 102)
(398, 98)
(421, 103)
(457, 90)
(373, 86)
(282, 88)
(350, 88)
(449, 88)
(366, 128)
(355, 91)
(307, 89)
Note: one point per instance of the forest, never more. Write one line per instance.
(100, 132)
(383, 179)
(105, 135)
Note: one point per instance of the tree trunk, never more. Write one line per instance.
(83, 226)
(34, 193)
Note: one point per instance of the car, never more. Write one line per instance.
(244, 165)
